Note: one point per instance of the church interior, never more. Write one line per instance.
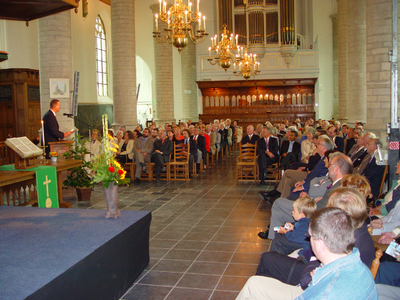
(309, 59)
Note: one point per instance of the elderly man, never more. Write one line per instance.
(300, 179)
(251, 137)
(267, 150)
(370, 169)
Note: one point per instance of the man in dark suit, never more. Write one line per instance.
(201, 147)
(350, 141)
(51, 128)
(370, 169)
(251, 137)
(267, 151)
(338, 141)
(290, 150)
(188, 140)
(162, 149)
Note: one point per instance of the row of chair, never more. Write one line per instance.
(178, 167)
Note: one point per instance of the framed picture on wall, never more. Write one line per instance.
(59, 88)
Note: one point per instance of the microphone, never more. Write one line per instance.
(68, 115)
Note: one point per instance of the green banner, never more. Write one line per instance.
(46, 184)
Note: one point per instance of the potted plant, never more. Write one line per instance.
(53, 156)
(78, 177)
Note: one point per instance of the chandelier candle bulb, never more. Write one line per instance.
(198, 5)
(204, 22)
(165, 7)
(190, 7)
(209, 52)
(160, 5)
(186, 14)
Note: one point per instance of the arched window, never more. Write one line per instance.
(101, 58)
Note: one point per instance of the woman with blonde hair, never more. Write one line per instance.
(307, 146)
(358, 182)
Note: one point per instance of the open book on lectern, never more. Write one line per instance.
(23, 147)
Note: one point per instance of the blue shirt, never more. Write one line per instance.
(344, 278)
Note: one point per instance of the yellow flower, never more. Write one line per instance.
(110, 137)
(113, 150)
(115, 145)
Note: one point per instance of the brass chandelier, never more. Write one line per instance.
(179, 18)
(246, 64)
(223, 48)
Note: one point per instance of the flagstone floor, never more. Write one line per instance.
(203, 235)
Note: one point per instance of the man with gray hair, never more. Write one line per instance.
(251, 137)
(267, 150)
(369, 168)
(295, 178)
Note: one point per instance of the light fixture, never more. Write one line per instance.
(246, 64)
(179, 18)
(223, 48)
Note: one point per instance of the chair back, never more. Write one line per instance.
(247, 153)
(181, 152)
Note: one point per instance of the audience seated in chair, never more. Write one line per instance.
(251, 137)
(125, 151)
(163, 148)
(142, 149)
(290, 150)
(341, 273)
(298, 179)
(267, 151)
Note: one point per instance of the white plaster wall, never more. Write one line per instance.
(84, 51)
(322, 27)
(21, 43)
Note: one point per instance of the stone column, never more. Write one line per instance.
(55, 61)
(335, 67)
(124, 63)
(189, 86)
(342, 59)
(379, 42)
(357, 38)
(163, 108)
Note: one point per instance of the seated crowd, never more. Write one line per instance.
(321, 248)
(156, 144)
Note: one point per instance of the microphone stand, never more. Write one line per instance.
(90, 131)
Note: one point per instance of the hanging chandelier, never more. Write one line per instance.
(247, 64)
(224, 57)
(179, 18)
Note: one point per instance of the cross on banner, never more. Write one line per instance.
(48, 200)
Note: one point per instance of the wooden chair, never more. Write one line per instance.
(179, 167)
(378, 254)
(275, 172)
(246, 165)
(131, 167)
(164, 175)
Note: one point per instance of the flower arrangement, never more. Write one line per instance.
(53, 154)
(106, 168)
